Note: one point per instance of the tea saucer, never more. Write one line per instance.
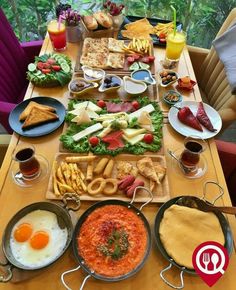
(19, 178)
(197, 173)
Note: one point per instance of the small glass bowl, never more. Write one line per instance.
(168, 71)
(169, 101)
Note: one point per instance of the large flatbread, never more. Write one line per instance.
(95, 59)
(115, 45)
(138, 29)
(182, 229)
(95, 45)
(116, 60)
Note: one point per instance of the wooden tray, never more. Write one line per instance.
(94, 94)
(160, 192)
(124, 71)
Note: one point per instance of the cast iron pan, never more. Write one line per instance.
(80, 260)
(64, 221)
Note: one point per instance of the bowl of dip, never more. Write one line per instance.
(110, 83)
(93, 74)
(143, 75)
(79, 86)
(134, 87)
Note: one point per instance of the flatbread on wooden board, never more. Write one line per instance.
(182, 229)
(94, 59)
(115, 60)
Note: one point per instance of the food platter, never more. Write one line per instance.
(186, 130)
(121, 94)
(153, 21)
(42, 129)
(103, 126)
(160, 192)
(124, 70)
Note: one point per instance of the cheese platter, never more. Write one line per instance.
(112, 127)
(105, 177)
(114, 55)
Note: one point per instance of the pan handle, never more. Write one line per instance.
(167, 282)
(147, 202)
(221, 191)
(70, 271)
(7, 277)
(71, 196)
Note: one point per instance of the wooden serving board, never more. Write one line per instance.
(94, 94)
(160, 193)
(124, 71)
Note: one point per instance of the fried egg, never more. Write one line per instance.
(36, 239)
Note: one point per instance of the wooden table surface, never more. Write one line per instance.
(13, 198)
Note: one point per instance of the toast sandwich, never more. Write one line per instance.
(38, 117)
(29, 107)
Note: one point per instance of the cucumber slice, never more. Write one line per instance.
(65, 67)
(32, 67)
(38, 73)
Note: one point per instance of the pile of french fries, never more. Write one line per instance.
(140, 46)
(164, 28)
(67, 177)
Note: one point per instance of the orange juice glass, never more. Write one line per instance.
(175, 44)
(57, 35)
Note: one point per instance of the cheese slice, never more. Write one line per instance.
(149, 108)
(82, 118)
(87, 131)
(104, 132)
(144, 118)
(79, 111)
(133, 132)
(148, 127)
(90, 105)
(134, 139)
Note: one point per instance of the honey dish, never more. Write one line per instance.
(167, 77)
(134, 87)
(172, 97)
(110, 83)
(79, 86)
(92, 74)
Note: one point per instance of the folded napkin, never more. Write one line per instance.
(225, 46)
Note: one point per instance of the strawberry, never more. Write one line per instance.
(186, 116)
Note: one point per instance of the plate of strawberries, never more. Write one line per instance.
(198, 118)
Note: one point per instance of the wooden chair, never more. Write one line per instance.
(212, 79)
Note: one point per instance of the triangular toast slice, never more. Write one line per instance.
(29, 107)
(37, 117)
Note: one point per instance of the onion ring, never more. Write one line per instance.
(110, 191)
(101, 184)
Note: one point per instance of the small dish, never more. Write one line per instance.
(134, 87)
(143, 75)
(79, 86)
(186, 83)
(110, 83)
(93, 74)
(172, 97)
(167, 77)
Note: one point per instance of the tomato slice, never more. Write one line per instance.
(46, 70)
(151, 58)
(56, 67)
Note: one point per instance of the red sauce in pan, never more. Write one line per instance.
(112, 240)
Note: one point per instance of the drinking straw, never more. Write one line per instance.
(174, 11)
(59, 23)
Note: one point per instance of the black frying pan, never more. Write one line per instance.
(225, 228)
(64, 221)
(79, 258)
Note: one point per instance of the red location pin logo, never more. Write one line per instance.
(210, 260)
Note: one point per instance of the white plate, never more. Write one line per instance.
(186, 130)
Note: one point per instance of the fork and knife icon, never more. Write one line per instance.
(207, 258)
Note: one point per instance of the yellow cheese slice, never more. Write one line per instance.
(82, 118)
(133, 132)
(144, 118)
(134, 139)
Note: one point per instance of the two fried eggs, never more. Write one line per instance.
(36, 239)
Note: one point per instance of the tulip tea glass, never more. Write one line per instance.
(29, 166)
(57, 34)
(190, 157)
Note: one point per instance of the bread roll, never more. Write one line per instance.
(103, 19)
(90, 22)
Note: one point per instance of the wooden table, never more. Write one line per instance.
(13, 198)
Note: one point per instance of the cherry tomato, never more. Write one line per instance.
(56, 67)
(151, 58)
(40, 65)
(101, 104)
(135, 105)
(46, 70)
(148, 138)
(145, 59)
(51, 61)
(162, 35)
(130, 59)
(136, 56)
(94, 141)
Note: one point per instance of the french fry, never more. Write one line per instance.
(60, 175)
(65, 187)
(55, 186)
(79, 172)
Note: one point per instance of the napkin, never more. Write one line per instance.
(225, 46)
